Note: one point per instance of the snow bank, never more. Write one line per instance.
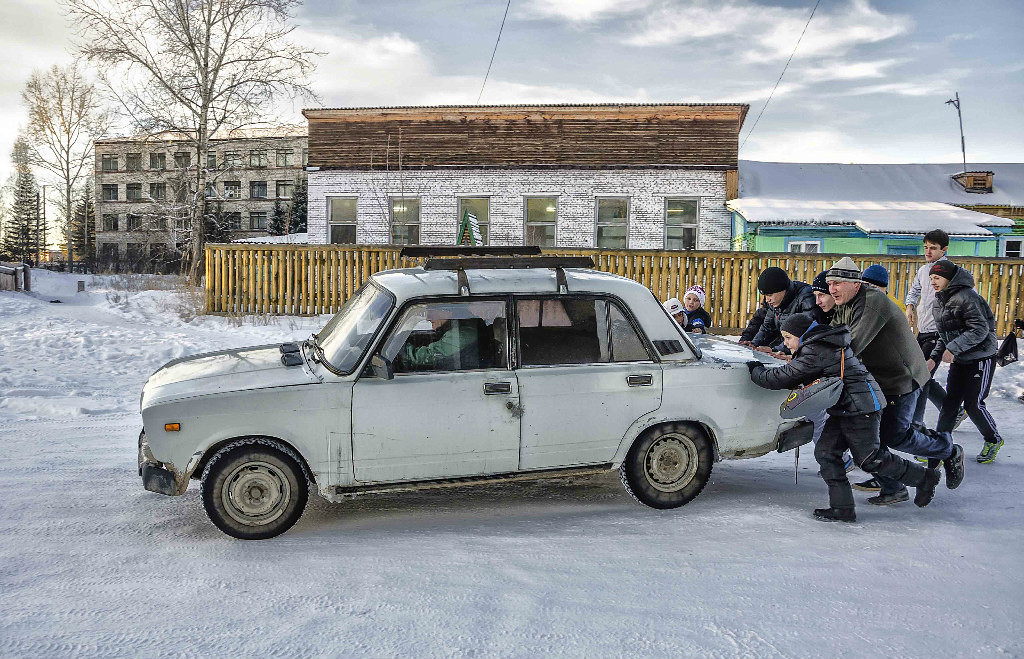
(91, 565)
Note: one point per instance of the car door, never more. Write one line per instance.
(450, 409)
(585, 375)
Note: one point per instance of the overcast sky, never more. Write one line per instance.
(868, 83)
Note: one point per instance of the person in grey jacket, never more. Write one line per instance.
(967, 342)
(853, 422)
(883, 340)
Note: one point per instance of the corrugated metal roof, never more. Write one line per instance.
(900, 182)
(518, 106)
(871, 217)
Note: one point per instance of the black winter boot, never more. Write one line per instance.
(835, 515)
(926, 490)
(954, 467)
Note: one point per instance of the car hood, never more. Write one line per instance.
(225, 371)
(723, 351)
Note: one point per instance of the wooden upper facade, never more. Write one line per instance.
(512, 136)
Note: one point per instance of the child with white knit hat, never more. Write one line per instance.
(690, 313)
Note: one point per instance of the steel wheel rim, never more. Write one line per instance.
(671, 462)
(256, 493)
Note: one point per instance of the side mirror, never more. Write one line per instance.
(381, 368)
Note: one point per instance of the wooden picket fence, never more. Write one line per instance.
(317, 279)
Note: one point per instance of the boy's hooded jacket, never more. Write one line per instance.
(822, 349)
(965, 322)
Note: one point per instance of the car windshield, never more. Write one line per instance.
(344, 338)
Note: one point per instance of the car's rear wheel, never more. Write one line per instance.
(668, 466)
(254, 491)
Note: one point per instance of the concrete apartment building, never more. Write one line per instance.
(615, 176)
(143, 190)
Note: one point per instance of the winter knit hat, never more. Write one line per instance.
(698, 291)
(943, 268)
(843, 270)
(798, 323)
(673, 306)
(819, 284)
(772, 280)
(877, 275)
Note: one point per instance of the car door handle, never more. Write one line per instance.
(492, 388)
(645, 380)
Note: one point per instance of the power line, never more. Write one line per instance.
(496, 42)
(781, 74)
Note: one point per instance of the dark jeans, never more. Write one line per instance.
(859, 434)
(900, 434)
(933, 391)
(968, 383)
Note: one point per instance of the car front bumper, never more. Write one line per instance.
(157, 477)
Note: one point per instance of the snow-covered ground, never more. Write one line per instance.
(93, 565)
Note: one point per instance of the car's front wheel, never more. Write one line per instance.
(254, 490)
(668, 466)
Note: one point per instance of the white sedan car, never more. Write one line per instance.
(461, 371)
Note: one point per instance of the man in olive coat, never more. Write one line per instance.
(883, 340)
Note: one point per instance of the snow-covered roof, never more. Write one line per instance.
(292, 238)
(909, 217)
(835, 182)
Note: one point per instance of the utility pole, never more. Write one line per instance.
(955, 102)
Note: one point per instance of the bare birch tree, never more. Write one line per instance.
(65, 115)
(194, 68)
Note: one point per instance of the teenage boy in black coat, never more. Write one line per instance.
(824, 351)
(785, 298)
(967, 342)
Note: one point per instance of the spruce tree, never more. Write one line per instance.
(216, 229)
(277, 225)
(21, 233)
(83, 226)
(297, 221)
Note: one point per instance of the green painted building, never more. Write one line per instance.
(875, 209)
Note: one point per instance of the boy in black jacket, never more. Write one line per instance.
(821, 351)
(967, 342)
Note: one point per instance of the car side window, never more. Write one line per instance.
(449, 336)
(576, 331)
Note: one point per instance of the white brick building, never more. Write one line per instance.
(610, 176)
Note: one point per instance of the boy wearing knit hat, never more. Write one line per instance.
(784, 298)
(884, 342)
(853, 422)
(967, 342)
(878, 276)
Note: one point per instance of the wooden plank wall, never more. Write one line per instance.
(317, 279)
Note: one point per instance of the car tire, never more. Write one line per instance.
(668, 466)
(253, 490)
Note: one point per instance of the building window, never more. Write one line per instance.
(110, 192)
(232, 189)
(285, 189)
(109, 222)
(211, 190)
(680, 224)
(284, 157)
(133, 191)
(258, 158)
(108, 252)
(158, 161)
(342, 219)
(109, 162)
(182, 160)
(136, 253)
(211, 160)
(1014, 248)
(232, 159)
(233, 221)
(134, 221)
(541, 217)
(478, 207)
(181, 191)
(258, 220)
(612, 222)
(805, 246)
(133, 162)
(405, 221)
(305, 157)
(158, 191)
(257, 189)
(160, 223)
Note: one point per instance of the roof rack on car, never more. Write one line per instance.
(460, 265)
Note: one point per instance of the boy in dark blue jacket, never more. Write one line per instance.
(821, 351)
